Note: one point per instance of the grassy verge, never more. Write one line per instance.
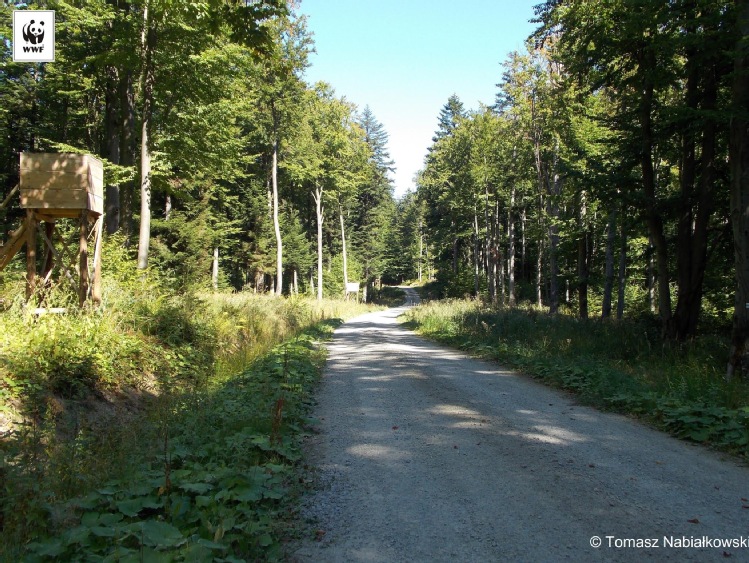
(217, 481)
(160, 428)
(622, 366)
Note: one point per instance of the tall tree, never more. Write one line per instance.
(442, 186)
(280, 96)
(171, 31)
(739, 157)
(321, 157)
(374, 205)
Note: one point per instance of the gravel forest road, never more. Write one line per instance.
(424, 454)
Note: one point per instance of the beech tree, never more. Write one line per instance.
(280, 89)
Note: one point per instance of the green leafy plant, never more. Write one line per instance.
(172, 403)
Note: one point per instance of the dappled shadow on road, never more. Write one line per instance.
(428, 434)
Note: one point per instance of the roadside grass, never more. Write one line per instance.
(159, 427)
(216, 479)
(620, 366)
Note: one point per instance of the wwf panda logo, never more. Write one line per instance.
(33, 32)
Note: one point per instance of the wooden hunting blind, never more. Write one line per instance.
(57, 186)
(62, 185)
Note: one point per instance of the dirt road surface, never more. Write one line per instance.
(425, 454)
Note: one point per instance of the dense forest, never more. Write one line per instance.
(223, 167)
(609, 176)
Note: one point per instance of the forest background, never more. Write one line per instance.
(231, 172)
(608, 180)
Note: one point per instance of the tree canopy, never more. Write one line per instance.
(607, 178)
(610, 134)
(213, 142)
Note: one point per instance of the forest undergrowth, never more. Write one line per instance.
(160, 427)
(623, 366)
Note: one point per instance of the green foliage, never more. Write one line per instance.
(609, 136)
(333, 279)
(625, 366)
(298, 254)
(216, 488)
(89, 398)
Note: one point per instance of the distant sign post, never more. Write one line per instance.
(352, 287)
(34, 36)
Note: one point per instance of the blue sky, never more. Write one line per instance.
(404, 58)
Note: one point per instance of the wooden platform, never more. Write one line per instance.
(62, 184)
(57, 186)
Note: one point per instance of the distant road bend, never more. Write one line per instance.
(427, 455)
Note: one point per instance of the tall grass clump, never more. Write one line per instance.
(109, 398)
(619, 365)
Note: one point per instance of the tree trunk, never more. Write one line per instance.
(608, 287)
(582, 275)
(476, 252)
(421, 251)
(112, 122)
(148, 40)
(428, 264)
(583, 270)
(455, 249)
(553, 208)
(34, 118)
(276, 224)
(490, 249)
(652, 216)
(511, 250)
(319, 211)
(497, 257)
(127, 157)
(214, 269)
(739, 163)
(622, 273)
(687, 176)
(524, 270)
(345, 261)
(541, 191)
(498, 260)
(539, 273)
(705, 209)
(650, 275)
(144, 238)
